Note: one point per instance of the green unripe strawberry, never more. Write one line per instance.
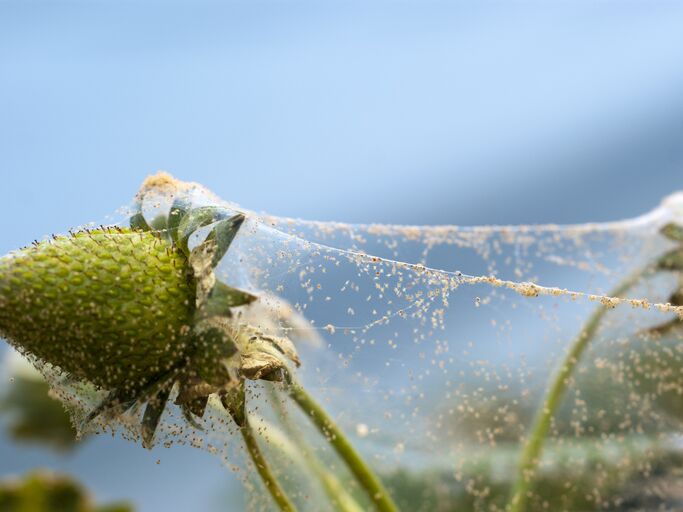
(137, 312)
(110, 306)
(134, 311)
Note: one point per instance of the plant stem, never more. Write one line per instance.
(533, 450)
(264, 471)
(366, 478)
(340, 497)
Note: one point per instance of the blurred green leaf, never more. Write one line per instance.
(673, 232)
(42, 491)
(34, 416)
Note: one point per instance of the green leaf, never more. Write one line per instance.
(676, 298)
(672, 260)
(45, 491)
(33, 415)
(673, 232)
(670, 327)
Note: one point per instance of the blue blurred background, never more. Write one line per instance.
(405, 112)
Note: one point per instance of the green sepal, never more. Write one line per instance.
(204, 257)
(195, 219)
(153, 412)
(213, 346)
(138, 222)
(233, 402)
(204, 277)
(224, 297)
(188, 414)
(176, 214)
(672, 231)
(197, 406)
(116, 402)
(224, 233)
(159, 225)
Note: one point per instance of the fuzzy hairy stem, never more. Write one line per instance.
(533, 449)
(264, 471)
(335, 490)
(364, 475)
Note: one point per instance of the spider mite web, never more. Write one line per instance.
(432, 348)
